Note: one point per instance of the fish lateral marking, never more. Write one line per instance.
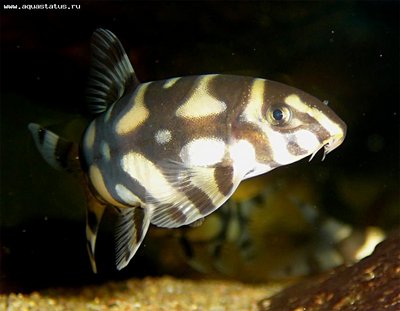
(97, 179)
(106, 151)
(201, 104)
(163, 136)
(170, 83)
(252, 112)
(136, 115)
(127, 195)
(203, 152)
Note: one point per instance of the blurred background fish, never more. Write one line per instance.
(266, 233)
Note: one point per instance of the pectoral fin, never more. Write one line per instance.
(199, 192)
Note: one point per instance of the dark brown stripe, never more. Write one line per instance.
(169, 213)
(230, 89)
(121, 177)
(321, 133)
(138, 216)
(178, 216)
(252, 134)
(200, 200)
(224, 178)
(164, 102)
(295, 149)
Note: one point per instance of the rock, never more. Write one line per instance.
(369, 285)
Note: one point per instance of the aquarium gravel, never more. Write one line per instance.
(163, 293)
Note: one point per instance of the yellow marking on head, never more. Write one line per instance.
(332, 127)
(127, 195)
(201, 104)
(279, 147)
(245, 164)
(90, 136)
(163, 136)
(252, 113)
(243, 157)
(97, 180)
(170, 82)
(307, 140)
(136, 115)
(203, 152)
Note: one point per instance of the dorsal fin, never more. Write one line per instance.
(111, 72)
(59, 153)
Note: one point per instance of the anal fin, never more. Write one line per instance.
(132, 226)
(95, 211)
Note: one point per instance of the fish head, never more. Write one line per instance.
(285, 124)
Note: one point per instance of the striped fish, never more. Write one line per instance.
(171, 152)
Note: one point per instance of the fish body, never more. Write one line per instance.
(171, 152)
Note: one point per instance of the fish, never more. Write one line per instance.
(248, 240)
(170, 152)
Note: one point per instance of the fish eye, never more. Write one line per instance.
(278, 115)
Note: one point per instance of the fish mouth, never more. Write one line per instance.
(329, 145)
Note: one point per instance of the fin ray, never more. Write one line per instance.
(131, 229)
(197, 194)
(111, 71)
(95, 211)
(56, 151)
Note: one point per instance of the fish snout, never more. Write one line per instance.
(336, 139)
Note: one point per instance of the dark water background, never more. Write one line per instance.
(346, 52)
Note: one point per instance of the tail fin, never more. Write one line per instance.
(111, 71)
(58, 152)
